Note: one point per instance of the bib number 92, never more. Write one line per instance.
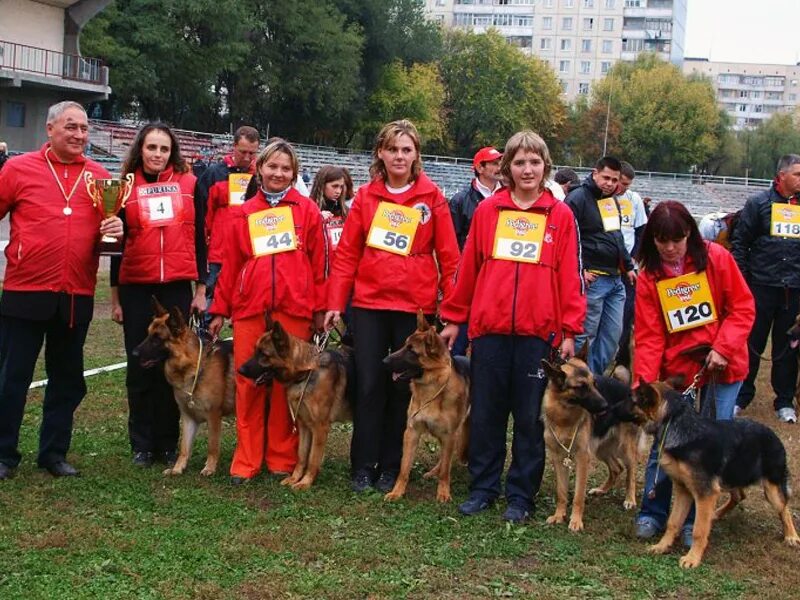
(523, 249)
(392, 239)
(689, 315)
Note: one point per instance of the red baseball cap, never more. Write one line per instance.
(487, 154)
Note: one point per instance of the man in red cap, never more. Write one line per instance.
(486, 166)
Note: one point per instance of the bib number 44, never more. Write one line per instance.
(277, 241)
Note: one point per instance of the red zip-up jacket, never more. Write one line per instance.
(658, 352)
(381, 280)
(495, 296)
(214, 185)
(290, 282)
(160, 254)
(49, 251)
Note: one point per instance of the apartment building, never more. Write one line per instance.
(41, 64)
(750, 93)
(580, 39)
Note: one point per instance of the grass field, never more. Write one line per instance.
(120, 532)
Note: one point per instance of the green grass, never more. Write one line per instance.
(121, 532)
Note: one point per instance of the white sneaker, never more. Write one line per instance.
(736, 410)
(786, 415)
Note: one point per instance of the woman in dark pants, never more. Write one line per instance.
(164, 251)
(386, 258)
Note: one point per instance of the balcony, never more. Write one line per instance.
(27, 65)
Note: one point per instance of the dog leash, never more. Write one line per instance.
(320, 342)
(441, 389)
(652, 493)
(567, 462)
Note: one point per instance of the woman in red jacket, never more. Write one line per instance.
(689, 293)
(164, 252)
(519, 288)
(273, 263)
(397, 222)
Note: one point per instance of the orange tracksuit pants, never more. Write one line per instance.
(261, 436)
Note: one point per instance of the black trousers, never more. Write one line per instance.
(776, 309)
(153, 414)
(624, 352)
(20, 343)
(379, 416)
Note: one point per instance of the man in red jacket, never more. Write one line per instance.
(48, 292)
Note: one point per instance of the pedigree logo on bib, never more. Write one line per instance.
(237, 186)
(393, 228)
(686, 301)
(519, 236)
(159, 203)
(609, 213)
(272, 231)
(785, 221)
(626, 212)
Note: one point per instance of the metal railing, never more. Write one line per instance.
(30, 59)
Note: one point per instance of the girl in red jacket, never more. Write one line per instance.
(689, 293)
(273, 263)
(519, 287)
(329, 191)
(164, 252)
(398, 248)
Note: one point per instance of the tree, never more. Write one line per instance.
(494, 90)
(414, 93)
(669, 122)
(585, 132)
(773, 138)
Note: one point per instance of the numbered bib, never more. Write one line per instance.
(785, 221)
(609, 213)
(237, 186)
(686, 301)
(519, 236)
(272, 231)
(334, 228)
(159, 203)
(626, 212)
(393, 228)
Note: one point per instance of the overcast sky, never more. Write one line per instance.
(763, 31)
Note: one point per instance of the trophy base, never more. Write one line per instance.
(110, 246)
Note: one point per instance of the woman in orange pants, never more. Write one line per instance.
(274, 264)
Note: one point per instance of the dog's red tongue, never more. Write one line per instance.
(396, 375)
(794, 343)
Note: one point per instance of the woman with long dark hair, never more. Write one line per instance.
(691, 299)
(164, 251)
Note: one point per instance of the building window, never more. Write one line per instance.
(608, 46)
(608, 24)
(741, 107)
(569, 3)
(588, 3)
(605, 67)
(15, 114)
(586, 45)
(566, 23)
(439, 2)
(548, 3)
(546, 43)
(588, 24)
(566, 44)
(563, 66)
(547, 22)
(743, 94)
(792, 98)
(564, 86)
(586, 67)
(609, 4)
(583, 89)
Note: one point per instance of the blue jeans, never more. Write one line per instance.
(462, 342)
(211, 284)
(656, 510)
(602, 328)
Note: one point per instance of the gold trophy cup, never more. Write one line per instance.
(109, 195)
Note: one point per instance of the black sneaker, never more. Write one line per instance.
(6, 472)
(361, 482)
(516, 514)
(474, 505)
(237, 480)
(167, 457)
(143, 459)
(385, 483)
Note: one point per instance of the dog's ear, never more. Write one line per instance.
(175, 322)
(583, 353)
(422, 322)
(158, 310)
(432, 342)
(554, 373)
(676, 382)
(645, 395)
(280, 338)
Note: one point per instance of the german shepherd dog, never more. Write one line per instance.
(703, 457)
(439, 404)
(315, 383)
(571, 397)
(201, 376)
(616, 436)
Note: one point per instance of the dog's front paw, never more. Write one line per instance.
(576, 524)
(208, 471)
(689, 561)
(443, 496)
(598, 491)
(556, 518)
(303, 484)
(392, 496)
(629, 504)
(172, 471)
(658, 548)
(290, 480)
(793, 541)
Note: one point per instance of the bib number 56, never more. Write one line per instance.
(395, 240)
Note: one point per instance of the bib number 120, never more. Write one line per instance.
(694, 313)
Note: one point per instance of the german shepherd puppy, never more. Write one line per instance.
(439, 404)
(201, 377)
(616, 436)
(703, 457)
(570, 399)
(315, 385)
